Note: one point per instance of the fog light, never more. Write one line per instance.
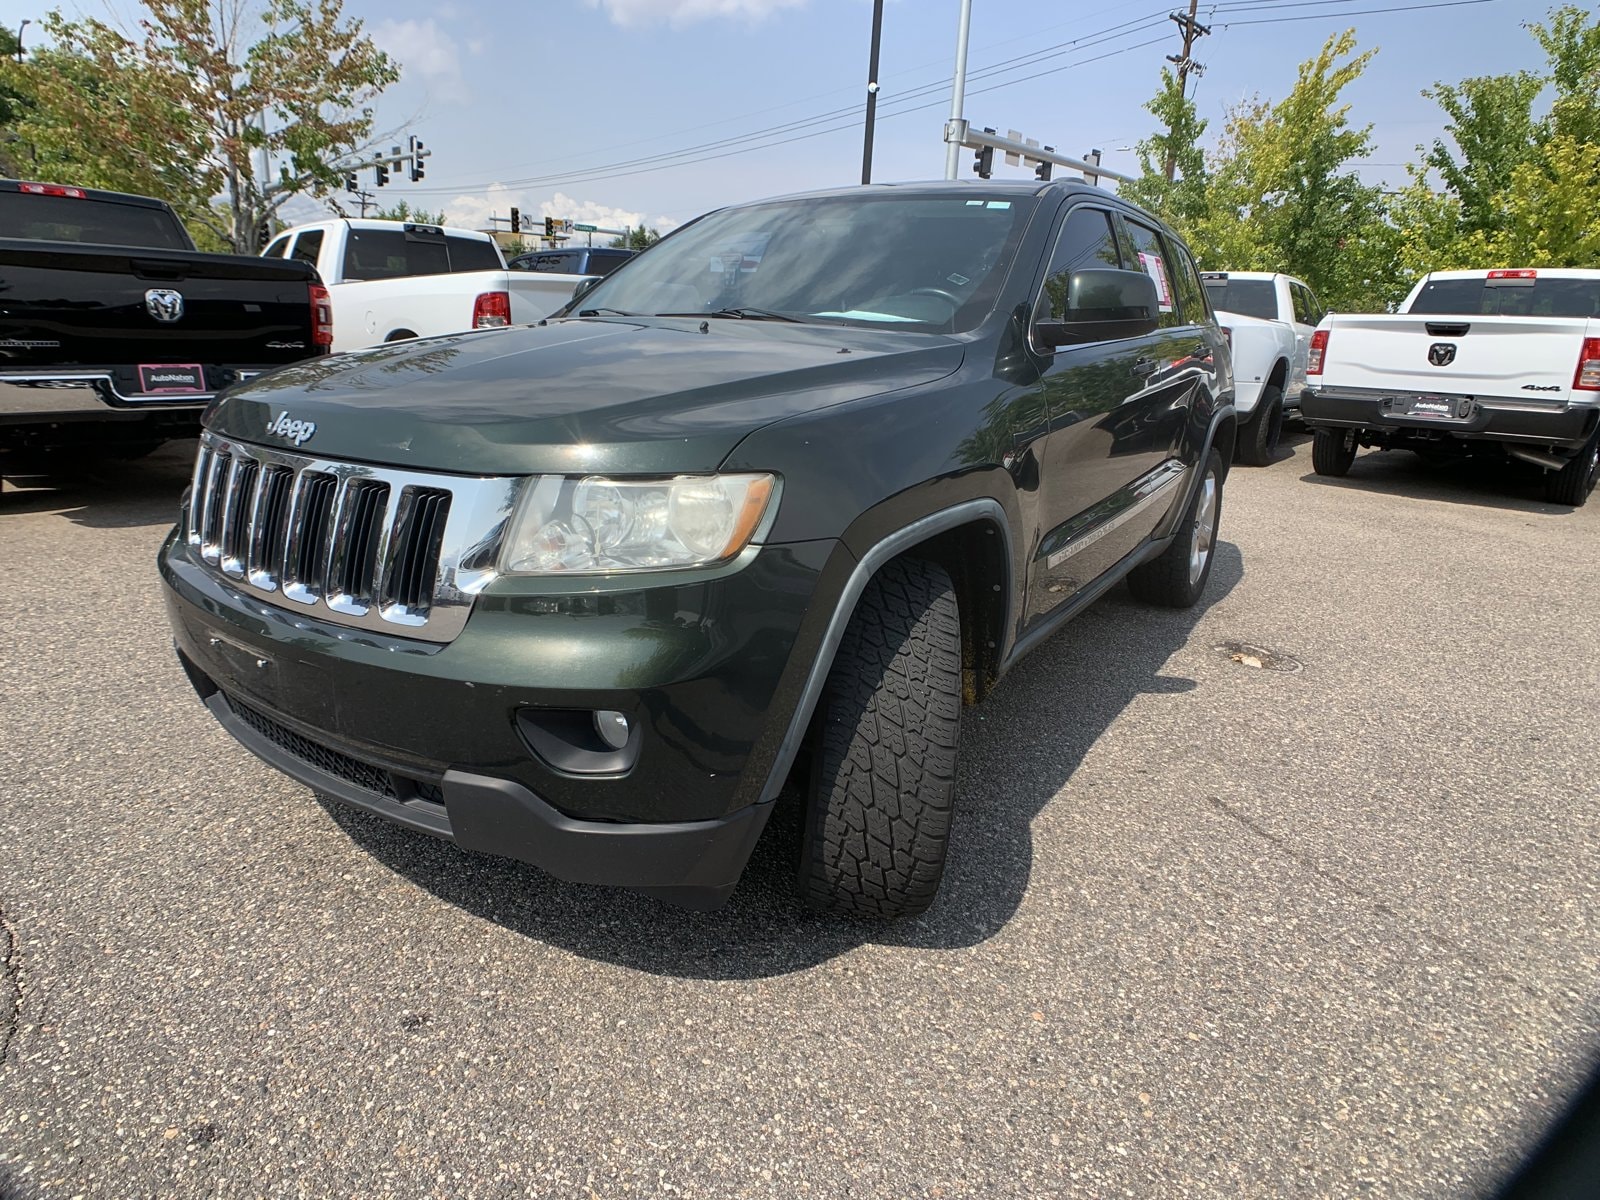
(612, 727)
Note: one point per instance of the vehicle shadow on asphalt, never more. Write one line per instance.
(1482, 481)
(110, 495)
(1018, 749)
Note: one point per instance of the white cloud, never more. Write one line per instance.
(684, 12)
(473, 211)
(424, 49)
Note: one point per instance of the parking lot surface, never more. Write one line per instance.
(1326, 925)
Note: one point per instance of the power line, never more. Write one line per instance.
(1004, 66)
(1357, 12)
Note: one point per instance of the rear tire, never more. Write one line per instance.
(1332, 451)
(884, 760)
(1258, 440)
(1177, 578)
(1572, 484)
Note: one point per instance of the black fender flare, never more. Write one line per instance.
(888, 547)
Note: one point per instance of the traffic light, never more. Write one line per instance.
(418, 170)
(351, 183)
(550, 227)
(395, 159)
(983, 161)
(380, 174)
(1042, 171)
(516, 220)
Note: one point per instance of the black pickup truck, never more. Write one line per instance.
(810, 472)
(115, 331)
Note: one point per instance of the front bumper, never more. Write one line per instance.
(435, 736)
(1561, 425)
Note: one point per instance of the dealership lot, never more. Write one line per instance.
(1347, 946)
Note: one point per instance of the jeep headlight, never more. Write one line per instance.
(596, 525)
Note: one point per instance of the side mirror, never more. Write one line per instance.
(1098, 304)
(585, 286)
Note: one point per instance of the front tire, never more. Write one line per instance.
(1178, 576)
(1572, 484)
(1333, 451)
(1258, 440)
(884, 765)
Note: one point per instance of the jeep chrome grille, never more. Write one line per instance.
(397, 551)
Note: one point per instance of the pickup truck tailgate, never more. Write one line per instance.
(1519, 357)
(69, 305)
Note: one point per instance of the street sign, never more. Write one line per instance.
(586, 229)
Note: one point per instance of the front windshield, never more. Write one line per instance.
(922, 263)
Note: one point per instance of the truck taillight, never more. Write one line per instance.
(491, 310)
(321, 316)
(1587, 377)
(1319, 351)
(1227, 336)
(52, 189)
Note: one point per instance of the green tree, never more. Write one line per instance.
(1282, 194)
(641, 238)
(1492, 126)
(1514, 189)
(402, 211)
(1179, 200)
(183, 108)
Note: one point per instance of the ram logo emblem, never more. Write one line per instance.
(164, 304)
(1442, 354)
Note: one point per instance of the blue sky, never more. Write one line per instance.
(550, 104)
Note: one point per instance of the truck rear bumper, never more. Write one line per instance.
(1464, 417)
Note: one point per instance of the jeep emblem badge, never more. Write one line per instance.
(298, 432)
(1442, 354)
(164, 304)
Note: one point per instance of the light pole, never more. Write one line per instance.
(958, 89)
(872, 91)
(25, 23)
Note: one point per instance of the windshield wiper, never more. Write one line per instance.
(742, 314)
(595, 312)
(755, 314)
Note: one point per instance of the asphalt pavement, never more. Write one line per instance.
(1295, 894)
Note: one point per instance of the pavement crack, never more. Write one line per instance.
(1341, 884)
(10, 984)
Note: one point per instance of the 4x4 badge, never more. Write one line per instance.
(164, 304)
(1442, 354)
(296, 431)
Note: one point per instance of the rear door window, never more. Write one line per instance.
(1153, 258)
(1191, 296)
(1305, 306)
(308, 246)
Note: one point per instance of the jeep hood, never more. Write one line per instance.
(640, 396)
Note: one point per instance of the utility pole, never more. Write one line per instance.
(958, 91)
(1193, 31)
(872, 91)
(365, 199)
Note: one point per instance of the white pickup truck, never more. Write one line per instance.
(1269, 319)
(1504, 362)
(390, 280)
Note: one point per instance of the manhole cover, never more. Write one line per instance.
(1259, 658)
